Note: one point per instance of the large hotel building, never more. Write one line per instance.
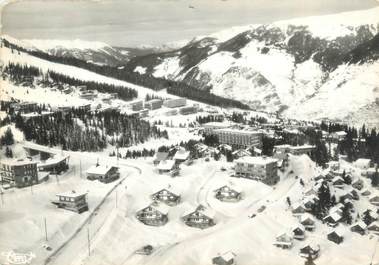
(239, 138)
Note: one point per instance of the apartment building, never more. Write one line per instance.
(260, 168)
(239, 138)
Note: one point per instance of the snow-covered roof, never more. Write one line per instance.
(53, 161)
(160, 207)
(337, 178)
(360, 224)
(256, 160)
(340, 133)
(169, 188)
(181, 154)
(71, 194)
(334, 215)
(231, 187)
(201, 209)
(305, 217)
(301, 147)
(166, 164)
(159, 156)
(339, 231)
(216, 124)
(228, 256)
(16, 162)
(373, 225)
(237, 131)
(99, 170)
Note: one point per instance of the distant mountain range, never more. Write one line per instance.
(323, 67)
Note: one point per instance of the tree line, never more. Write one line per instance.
(80, 130)
(19, 73)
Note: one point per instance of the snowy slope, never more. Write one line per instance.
(278, 66)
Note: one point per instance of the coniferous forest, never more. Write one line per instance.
(18, 73)
(79, 130)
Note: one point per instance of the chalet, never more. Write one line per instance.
(104, 174)
(310, 192)
(201, 149)
(374, 200)
(145, 250)
(154, 215)
(227, 258)
(338, 182)
(333, 165)
(228, 193)
(284, 241)
(357, 184)
(309, 202)
(366, 192)
(201, 217)
(359, 227)
(333, 219)
(72, 201)
(181, 155)
(311, 250)
(167, 195)
(337, 208)
(168, 167)
(18, 173)
(298, 209)
(308, 222)
(337, 136)
(159, 156)
(298, 232)
(373, 228)
(319, 177)
(335, 236)
(240, 153)
(363, 163)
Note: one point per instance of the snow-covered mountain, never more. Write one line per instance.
(316, 67)
(91, 51)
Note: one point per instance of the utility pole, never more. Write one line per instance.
(88, 242)
(80, 168)
(44, 219)
(373, 254)
(2, 194)
(116, 197)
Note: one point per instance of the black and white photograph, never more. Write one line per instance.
(189, 132)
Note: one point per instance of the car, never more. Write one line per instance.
(223, 169)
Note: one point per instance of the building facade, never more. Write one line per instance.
(264, 169)
(239, 138)
(154, 104)
(19, 173)
(175, 102)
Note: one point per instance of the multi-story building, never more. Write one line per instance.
(154, 104)
(19, 173)
(24, 107)
(260, 168)
(209, 127)
(188, 110)
(175, 102)
(239, 138)
(136, 105)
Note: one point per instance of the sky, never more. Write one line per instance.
(131, 23)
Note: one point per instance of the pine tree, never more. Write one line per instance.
(375, 179)
(7, 138)
(367, 218)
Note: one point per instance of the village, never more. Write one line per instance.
(157, 178)
(189, 189)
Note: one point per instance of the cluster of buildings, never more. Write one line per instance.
(175, 106)
(33, 169)
(104, 174)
